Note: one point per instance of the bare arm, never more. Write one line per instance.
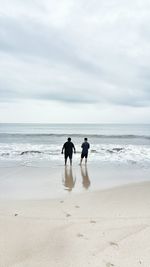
(74, 148)
(63, 149)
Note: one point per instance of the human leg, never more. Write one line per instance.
(66, 156)
(70, 157)
(86, 155)
(82, 156)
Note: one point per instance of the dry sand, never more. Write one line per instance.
(96, 229)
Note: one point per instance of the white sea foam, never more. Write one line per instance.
(125, 144)
(114, 153)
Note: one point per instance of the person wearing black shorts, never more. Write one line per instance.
(68, 147)
(85, 147)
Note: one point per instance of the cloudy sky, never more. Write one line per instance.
(75, 61)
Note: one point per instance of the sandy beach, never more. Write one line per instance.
(104, 228)
(74, 133)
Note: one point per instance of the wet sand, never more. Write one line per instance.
(105, 228)
(55, 181)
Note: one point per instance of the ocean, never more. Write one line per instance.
(31, 144)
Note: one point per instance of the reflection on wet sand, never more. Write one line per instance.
(85, 177)
(69, 181)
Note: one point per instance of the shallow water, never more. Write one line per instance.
(32, 166)
(110, 143)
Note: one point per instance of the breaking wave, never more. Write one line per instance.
(99, 152)
(124, 136)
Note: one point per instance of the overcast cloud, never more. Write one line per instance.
(74, 61)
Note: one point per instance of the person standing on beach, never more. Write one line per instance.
(85, 147)
(68, 147)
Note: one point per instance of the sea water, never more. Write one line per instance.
(32, 166)
(31, 144)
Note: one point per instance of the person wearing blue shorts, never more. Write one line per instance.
(85, 147)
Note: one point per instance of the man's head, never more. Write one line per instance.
(85, 139)
(69, 139)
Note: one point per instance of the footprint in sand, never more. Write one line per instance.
(109, 264)
(92, 221)
(80, 235)
(113, 244)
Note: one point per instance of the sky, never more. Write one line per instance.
(75, 61)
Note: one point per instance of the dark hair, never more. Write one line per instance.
(85, 139)
(69, 139)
